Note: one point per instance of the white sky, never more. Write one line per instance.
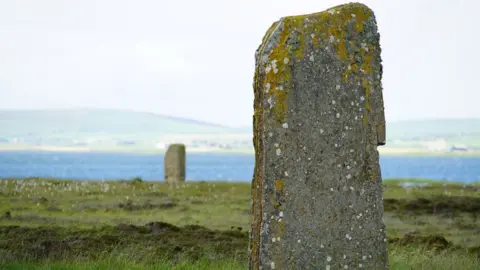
(195, 59)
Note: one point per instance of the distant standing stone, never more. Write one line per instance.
(319, 117)
(174, 163)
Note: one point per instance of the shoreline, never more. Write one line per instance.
(383, 151)
(387, 181)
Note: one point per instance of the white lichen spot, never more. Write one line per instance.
(352, 189)
(337, 87)
(331, 39)
(279, 88)
(353, 15)
(299, 241)
(349, 176)
(278, 239)
(356, 117)
(321, 131)
(312, 58)
(286, 173)
(331, 189)
(338, 115)
(272, 265)
(362, 98)
(351, 151)
(274, 65)
(329, 258)
(279, 152)
(331, 11)
(348, 167)
(321, 245)
(285, 60)
(267, 87)
(268, 68)
(360, 265)
(327, 267)
(285, 125)
(274, 240)
(336, 145)
(344, 256)
(345, 267)
(333, 102)
(270, 134)
(280, 214)
(304, 148)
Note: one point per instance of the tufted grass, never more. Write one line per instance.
(61, 224)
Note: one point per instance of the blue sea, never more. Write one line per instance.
(208, 166)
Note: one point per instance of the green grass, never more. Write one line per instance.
(53, 224)
(125, 263)
(400, 259)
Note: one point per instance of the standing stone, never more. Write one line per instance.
(319, 117)
(174, 163)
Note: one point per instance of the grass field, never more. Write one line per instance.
(53, 224)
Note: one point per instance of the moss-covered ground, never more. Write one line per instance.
(53, 224)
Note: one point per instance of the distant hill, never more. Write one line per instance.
(110, 129)
(453, 131)
(73, 122)
(436, 127)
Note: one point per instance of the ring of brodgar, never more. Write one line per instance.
(319, 117)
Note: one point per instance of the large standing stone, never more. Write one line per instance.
(174, 163)
(317, 189)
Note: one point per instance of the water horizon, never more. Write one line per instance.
(230, 167)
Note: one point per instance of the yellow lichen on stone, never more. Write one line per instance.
(277, 79)
(279, 184)
(332, 25)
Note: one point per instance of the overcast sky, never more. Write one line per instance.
(195, 59)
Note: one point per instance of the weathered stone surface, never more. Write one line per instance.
(174, 163)
(319, 117)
